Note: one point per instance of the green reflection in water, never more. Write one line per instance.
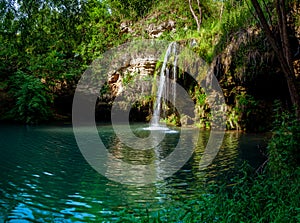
(44, 177)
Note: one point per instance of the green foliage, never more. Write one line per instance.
(128, 78)
(132, 9)
(99, 31)
(171, 119)
(283, 149)
(237, 15)
(233, 119)
(202, 110)
(207, 39)
(104, 90)
(244, 113)
(32, 98)
(52, 42)
(220, 21)
(54, 67)
(200, 97)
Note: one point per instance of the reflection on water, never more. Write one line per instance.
(45, 178)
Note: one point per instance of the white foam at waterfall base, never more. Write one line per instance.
(160, 128)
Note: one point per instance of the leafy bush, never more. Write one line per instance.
(285, 144)
(32, 98)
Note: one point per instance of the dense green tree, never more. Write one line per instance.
(48, 44)
(99, 30)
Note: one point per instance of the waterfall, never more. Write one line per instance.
(166, 85)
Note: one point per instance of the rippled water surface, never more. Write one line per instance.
(44, 177)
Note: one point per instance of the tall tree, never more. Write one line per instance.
(37, 58)
(281, 45)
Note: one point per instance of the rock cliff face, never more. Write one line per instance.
(152, 30)
(156, 31)
(119, 81)
(143, 67)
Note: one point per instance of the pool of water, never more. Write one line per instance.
(44, 177)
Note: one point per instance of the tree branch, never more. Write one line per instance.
(198, 20)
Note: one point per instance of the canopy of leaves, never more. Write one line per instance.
(51, 42)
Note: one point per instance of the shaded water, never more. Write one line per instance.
(44, 177)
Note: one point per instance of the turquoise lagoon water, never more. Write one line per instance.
(45, 178)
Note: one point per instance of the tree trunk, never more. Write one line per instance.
(282, 49)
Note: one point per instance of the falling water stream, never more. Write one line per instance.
(166, 85)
